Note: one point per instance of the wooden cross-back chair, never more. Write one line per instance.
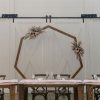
(62, 91)
(36, 91)
(2, 77)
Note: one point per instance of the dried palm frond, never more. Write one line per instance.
(76, 47)
(34, 31)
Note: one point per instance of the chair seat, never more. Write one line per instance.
(39, 92)
(63, 92)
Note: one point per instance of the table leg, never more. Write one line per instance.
(25, 93)
(21, 92)
(75, 93)
(12, 92)
(89, 92)
(79, 92)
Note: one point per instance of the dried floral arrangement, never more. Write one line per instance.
(33, 32)
(76, 47)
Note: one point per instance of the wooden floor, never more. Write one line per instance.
(50, 97)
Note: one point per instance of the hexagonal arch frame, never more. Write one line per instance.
(59, 31)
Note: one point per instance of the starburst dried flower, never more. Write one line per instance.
(76, 47)
(33, 32)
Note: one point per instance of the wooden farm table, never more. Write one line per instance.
(77, 85)
(11, 85)
(90, 85)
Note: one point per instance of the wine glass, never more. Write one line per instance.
(47, 75)
(33, 76)
(51, 75)
(58, 76)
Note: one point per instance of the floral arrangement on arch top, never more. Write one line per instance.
(33, 32)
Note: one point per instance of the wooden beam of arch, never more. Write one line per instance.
(59, 31)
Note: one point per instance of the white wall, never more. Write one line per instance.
(87, 32)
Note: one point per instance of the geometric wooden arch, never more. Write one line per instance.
(59, 31)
